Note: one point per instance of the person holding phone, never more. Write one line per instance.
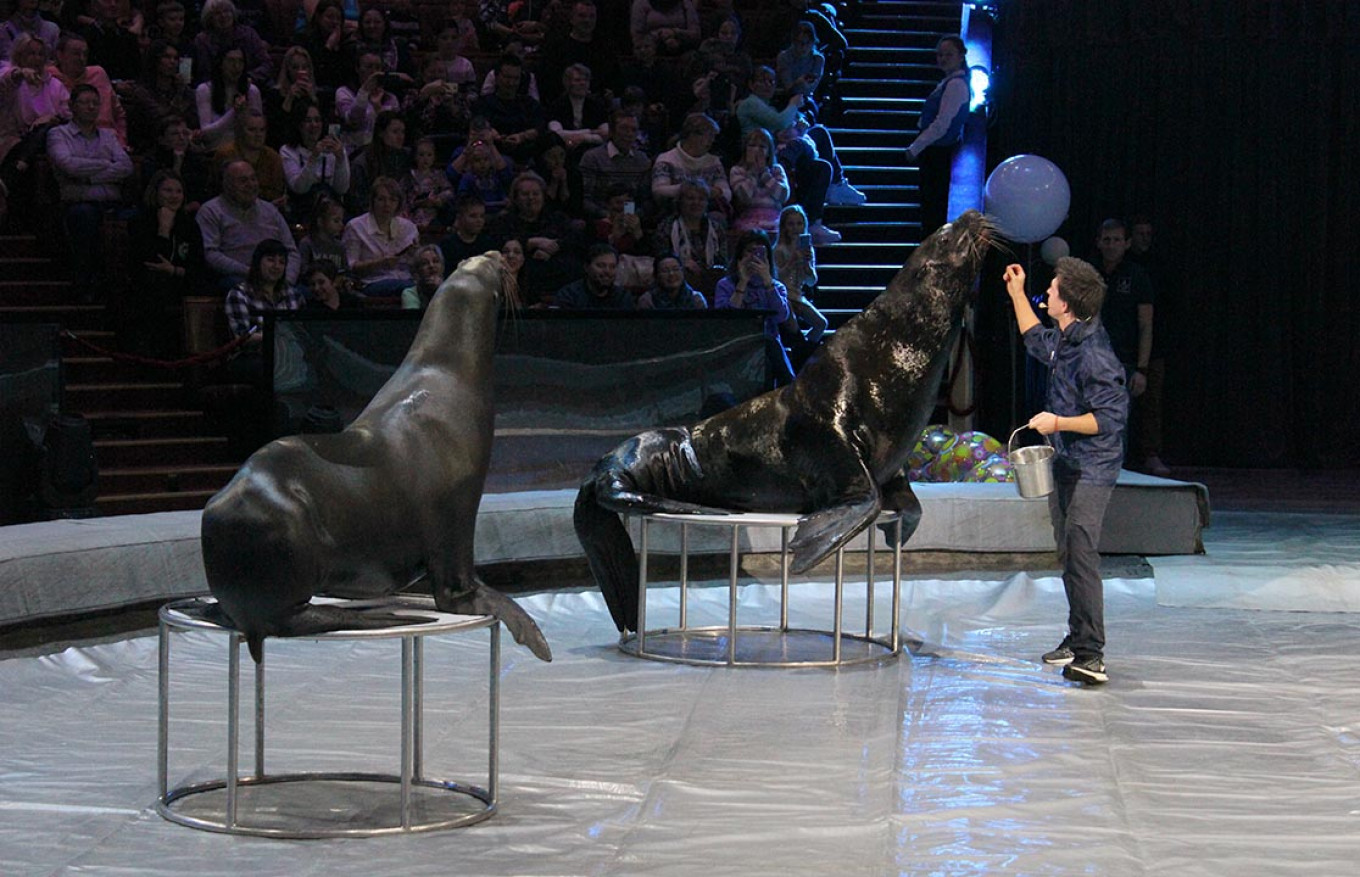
(796, 266)
(750, 285)
(314, 163)
(163, 90)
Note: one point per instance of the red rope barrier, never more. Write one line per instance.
(220, 353)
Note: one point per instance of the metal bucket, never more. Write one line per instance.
(1033, 465)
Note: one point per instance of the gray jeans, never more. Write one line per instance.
(1078, 510)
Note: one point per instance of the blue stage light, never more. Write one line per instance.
(980, 79)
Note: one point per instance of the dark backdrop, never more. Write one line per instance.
(1233, 124)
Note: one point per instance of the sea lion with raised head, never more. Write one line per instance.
(393, 497)
(830, 446)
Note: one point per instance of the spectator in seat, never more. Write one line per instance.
(577, 45)
(759, 185)
(112, 44)
(71, 68)
(386, 155)
(429, 195)
(249, 146)
(229, 92)
(483, 179)
(90, 166)
(324, 243)
(750, 284)
(550, 243)
(327, 291)
(165, 261)
(295, 87)
(328, 45)
(160, 92)
(25, 20)
(691, 159)
(695, 234)
(314, 162)
(670, 291)
(32, 100)
(468, 236)
(236, 221)
(720, 68)
(596, 290)
(517, 119)
(618, 162)
(673, 23)
(174, 151)
(428, 270)
(358, 105)
(264, 288)
(578, 118)
(379, 243)
(375, 35)
(222, 32)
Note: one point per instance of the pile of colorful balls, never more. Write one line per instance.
(944, 455)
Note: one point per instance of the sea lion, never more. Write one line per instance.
(829, 446)
(393, 497)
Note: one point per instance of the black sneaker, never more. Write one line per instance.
(1089, 670)
(1059, 657)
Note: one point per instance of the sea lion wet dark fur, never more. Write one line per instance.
(367, 511)
(829, 446)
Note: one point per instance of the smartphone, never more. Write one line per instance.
(805, 243)
(186, 69)
(334, 130)
(629, 207)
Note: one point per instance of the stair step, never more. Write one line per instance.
(153, 424)
(19, 246)
(123, 396)
(165, 479)
(146, 503)
(127, 453)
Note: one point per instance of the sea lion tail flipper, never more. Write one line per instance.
(483, 600)
(826, 530)
(609, 551)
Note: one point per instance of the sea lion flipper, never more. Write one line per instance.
(899, 497)
(825, 530)
(483, 600)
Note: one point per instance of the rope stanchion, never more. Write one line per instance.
(210, 356)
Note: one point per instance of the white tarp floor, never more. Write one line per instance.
(1226, 742)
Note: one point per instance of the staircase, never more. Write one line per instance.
(889, 71)
(153, 445)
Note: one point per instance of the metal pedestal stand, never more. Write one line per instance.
(417, 811)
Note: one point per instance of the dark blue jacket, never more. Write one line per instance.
(1084, 376)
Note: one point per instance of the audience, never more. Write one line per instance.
(327, 291)
(429, 195)
(759, 186)
(577, 45)
(578, 118)
(379, 242)
(249, 145)
(32, 100)
(112, 43)
(596, 290)
(468, 236)
(314, 162)
(616, 163)
(550, 244)
(160, 92)
(295, 88)
(692, 159)
(670, 291)
(384, 156)
(358, 105)
(328, 45)
(517, 119)
(694, 234)
(674, 24)
(750, 284)
(221, 32)
(428, 268)
(72, 69)
(795, 265)
(228, 92)
(236, 221)
(324, 243)
(90, 166)
(25, 20)
(165, 262)
(174, 151)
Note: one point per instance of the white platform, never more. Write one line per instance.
(1225, 743)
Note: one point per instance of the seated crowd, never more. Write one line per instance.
(357, 153)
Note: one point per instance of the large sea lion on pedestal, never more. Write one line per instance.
(829, 446)
(367, 511)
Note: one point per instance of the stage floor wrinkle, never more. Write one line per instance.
(1227, 741)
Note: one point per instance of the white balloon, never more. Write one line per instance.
(1027, 197)
(1054, 249)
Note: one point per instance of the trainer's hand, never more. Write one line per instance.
(1014, 278)
(1045, 422)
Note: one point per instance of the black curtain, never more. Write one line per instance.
(1234, 124)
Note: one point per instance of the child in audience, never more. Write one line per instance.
(323, 244)
(429, 195)
(482, 178)
(795, 265)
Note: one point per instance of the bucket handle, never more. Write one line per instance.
(1010, 443)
